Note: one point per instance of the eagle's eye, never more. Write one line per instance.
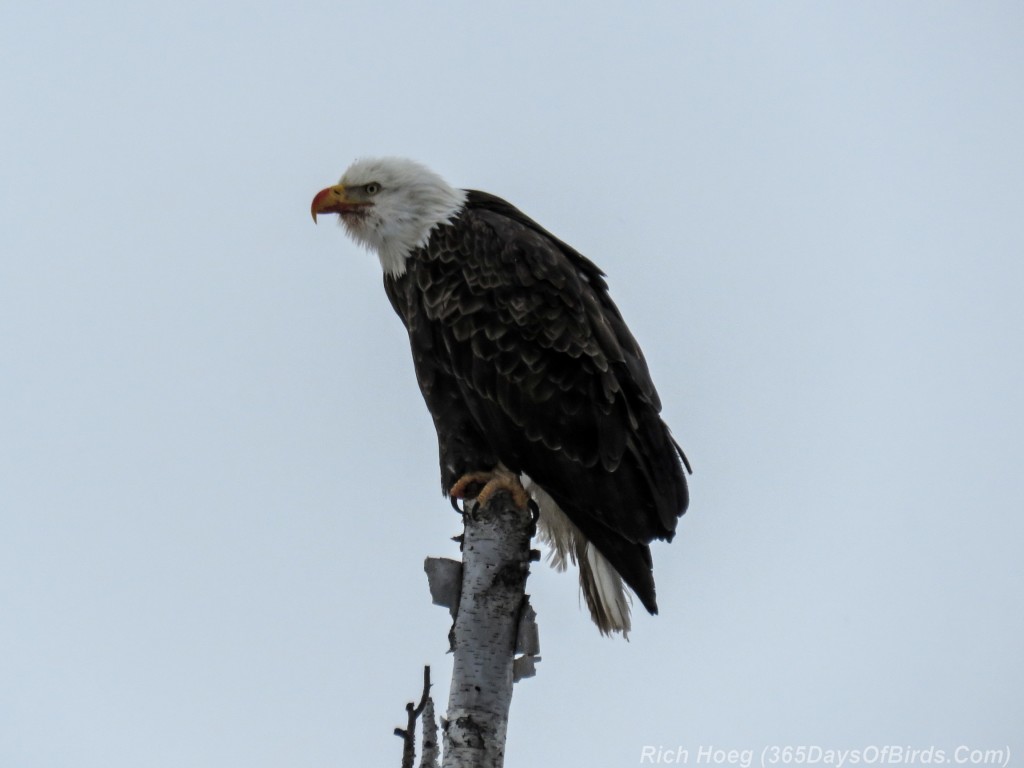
(372, 188)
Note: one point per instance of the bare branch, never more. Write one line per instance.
(431, 748)
(408, 735)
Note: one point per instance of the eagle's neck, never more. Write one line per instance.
(392, 260)
(396, 240)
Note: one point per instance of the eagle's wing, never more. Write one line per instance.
(549, 368)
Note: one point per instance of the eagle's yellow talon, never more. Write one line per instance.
(493, 482)
(461, 488)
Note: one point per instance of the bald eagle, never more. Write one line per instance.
(535, 384)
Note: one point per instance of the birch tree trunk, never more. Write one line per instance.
(495, 564)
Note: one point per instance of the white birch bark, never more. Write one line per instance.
(496, 558)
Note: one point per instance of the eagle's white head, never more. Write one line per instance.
(390, 205)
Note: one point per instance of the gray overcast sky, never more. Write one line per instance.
(218, 481)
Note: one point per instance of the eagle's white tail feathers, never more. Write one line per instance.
(605, 593)
(601, 585)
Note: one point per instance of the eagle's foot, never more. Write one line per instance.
(483, 485)
(508, 483)
(470, 485)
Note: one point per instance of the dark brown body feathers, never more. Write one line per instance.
(523, 358)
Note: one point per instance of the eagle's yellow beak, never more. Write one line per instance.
(332, 200)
